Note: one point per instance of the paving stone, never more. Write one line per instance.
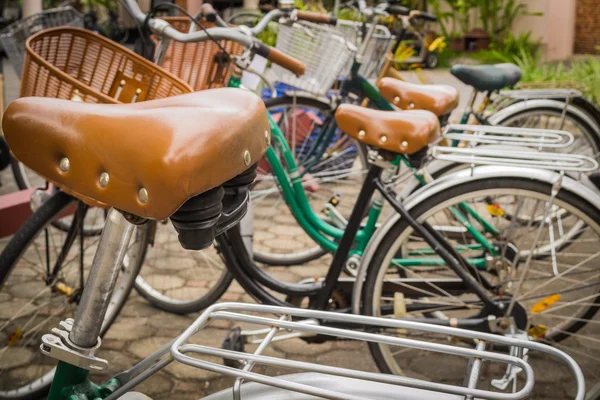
(26, 290)
(137, 309)
(129, 329)
(165, 320)
(15, 357)
(164, 282)
(144, 347)
(113, 344)
(181, 371)
(360, 360)
(160, 382)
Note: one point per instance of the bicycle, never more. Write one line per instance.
(74, 342)
(176, 304)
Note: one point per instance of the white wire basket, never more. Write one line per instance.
(377, 48)
(14, 36)
(322, 48)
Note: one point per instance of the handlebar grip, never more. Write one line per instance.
(280, 58)
(397, 10)
(208, 12)
(427, 16)
(316, 17)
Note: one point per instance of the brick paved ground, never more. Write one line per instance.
(141, 329)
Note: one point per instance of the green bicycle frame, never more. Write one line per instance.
(326, 235)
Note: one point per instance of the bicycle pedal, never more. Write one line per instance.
(234, 342)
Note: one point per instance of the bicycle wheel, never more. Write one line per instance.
(33, 303)
(27, 179)
(555, 304)
(339, 171)
(177, 280)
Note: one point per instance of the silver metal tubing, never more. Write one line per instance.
(101, 281)
(231, 312)
(516, 157)
(554, 93)
(509, 136)
(237, 386)
(262, 25)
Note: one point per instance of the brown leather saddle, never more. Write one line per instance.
(403, 132)
(439, 99)
(147, 158)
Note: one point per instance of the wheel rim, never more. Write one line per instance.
(578, 287)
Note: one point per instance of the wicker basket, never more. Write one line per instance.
(323, 49)
(73, 63)
(201, 64)
(13, 37)
(378, 46)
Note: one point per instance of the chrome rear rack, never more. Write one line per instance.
(289, 320)
(487, 134)
(516, 158)
(550, 93)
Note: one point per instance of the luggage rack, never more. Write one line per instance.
(516, 158)
(282, 319)
(550, 93)
(487, 134)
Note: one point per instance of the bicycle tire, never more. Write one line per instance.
(17, 246)
(377, 263)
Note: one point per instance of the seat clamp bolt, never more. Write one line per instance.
(268, 137)
(383, 138)
(396, 99)
(143, 195)
(104, 179)
(404, 144)
(247, 157)
(64, 164)
(361, 134)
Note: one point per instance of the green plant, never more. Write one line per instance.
(583, 74)
(509, 50)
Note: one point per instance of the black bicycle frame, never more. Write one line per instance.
(256, 282)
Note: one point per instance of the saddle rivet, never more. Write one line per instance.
(64, 164)
(143, 195)
(361, 134)
(404, 144)
(247, 157)
(396, 99)
(411, 105)
(383, 138)
(138, 91)
(268, 137)
(104, 179)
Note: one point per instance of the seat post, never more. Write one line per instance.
(101, 280)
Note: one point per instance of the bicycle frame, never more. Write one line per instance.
(326, 235)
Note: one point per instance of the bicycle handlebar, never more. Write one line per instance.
(280, 58)
(316, 17)
(233, 34)
(397, 10)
